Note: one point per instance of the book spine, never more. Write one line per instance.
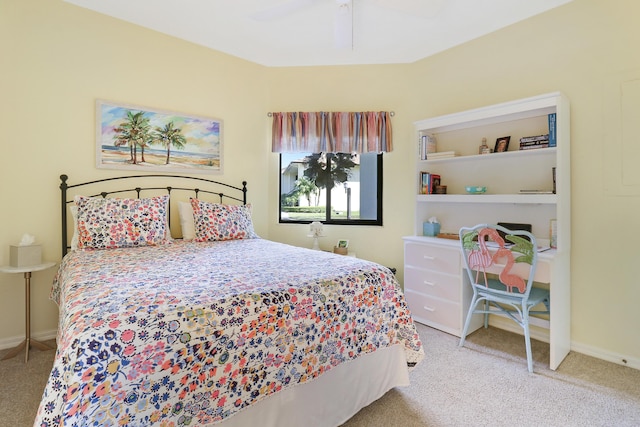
(424, 182)
(552, 130)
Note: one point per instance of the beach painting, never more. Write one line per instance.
(140, 139)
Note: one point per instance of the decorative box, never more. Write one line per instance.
(431, 229)
(24, 256)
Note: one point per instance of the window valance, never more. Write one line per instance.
(332, 132)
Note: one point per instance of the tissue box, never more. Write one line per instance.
(431, 229)
(24, 256)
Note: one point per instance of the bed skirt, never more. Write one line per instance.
(333, 398)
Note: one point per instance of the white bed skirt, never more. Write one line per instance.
(333, 398)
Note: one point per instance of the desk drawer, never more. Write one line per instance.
(433, 257)
(434, 283)
(434, 311)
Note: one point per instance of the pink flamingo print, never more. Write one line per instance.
(509, 280)
(481, 259)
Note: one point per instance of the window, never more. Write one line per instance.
(349, 184)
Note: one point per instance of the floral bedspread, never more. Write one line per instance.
(191, 333)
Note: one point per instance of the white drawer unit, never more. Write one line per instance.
(433, 285)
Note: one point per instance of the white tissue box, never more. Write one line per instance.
(24, 256)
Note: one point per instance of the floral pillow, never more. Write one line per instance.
(120, 223)
(215, 221)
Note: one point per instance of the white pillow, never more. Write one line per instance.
(74, 215)
(186, 221)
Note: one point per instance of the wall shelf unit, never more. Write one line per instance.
(520, 189)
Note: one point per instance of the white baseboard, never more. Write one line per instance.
(598, 353)
(40, 336)
(543, 335)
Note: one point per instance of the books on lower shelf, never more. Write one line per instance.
(429, 182)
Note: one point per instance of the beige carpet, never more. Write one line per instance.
(448, 388)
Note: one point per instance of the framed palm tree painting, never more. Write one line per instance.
(137, 138)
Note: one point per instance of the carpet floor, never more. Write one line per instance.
(485, 383)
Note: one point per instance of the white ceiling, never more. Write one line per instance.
(301, 32)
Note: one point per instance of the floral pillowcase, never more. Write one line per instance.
(120, 223)
(215, 221)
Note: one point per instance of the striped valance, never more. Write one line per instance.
(331, 132)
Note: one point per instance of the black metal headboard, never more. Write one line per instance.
(206, 186)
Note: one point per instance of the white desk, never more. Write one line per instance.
(28, 341)
(438, 291)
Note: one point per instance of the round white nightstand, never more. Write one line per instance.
(27, 270)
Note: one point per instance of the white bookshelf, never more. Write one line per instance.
(505, 175)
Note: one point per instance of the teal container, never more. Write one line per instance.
(430, 229)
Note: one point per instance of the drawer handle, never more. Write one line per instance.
(426, 282)
(430, 258)
(429, 308)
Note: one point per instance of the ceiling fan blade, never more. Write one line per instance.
(423, 8)
(281, 10)
(343, 24)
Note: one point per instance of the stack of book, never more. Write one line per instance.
(441, 155)
(429, 182)
(532, 142)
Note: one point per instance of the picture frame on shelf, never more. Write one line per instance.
(502, 144)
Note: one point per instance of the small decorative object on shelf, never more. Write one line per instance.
(502, 144)
(484, 148)
(475, 189)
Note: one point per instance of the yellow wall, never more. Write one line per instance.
(58, 58)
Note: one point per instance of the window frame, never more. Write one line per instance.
(328, 219)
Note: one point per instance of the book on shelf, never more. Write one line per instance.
(552, 130)
(534, 146)
(427, 146)
(429, 182)
(441, 155)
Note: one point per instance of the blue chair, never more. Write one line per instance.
(501, 264)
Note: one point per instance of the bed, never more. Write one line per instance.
(220, 327)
